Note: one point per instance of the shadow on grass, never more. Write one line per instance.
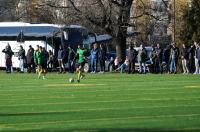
(113, 130)
(93, 130)
(31, 113)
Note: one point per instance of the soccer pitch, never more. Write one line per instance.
(100, 103)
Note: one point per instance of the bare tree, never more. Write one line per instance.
(8, 10)
(104, 16)
(107, 16)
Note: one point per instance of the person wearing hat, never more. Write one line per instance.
(8, 58)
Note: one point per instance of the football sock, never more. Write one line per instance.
(79, 75)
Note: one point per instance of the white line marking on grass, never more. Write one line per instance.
(91, 102)
(104, 109)
(104, 119)
(95, 129)
(40, 98)
(96, 90)
(73, 85)
(181, 129)
(196, 87)
(3, 126)
(66, 96)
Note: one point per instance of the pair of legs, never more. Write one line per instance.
(102, 65)
(197, 69)
(94, 65)
(50, 64)
(185, 66)
(157, 66)
(142, 67)
(131, 67)
(31, 67)
(61, 65)
(122, 68)
(79, 70)
(8, 65)
(173, 66)
(21, 65)
(42, 69)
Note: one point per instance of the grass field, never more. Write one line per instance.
(100, 103)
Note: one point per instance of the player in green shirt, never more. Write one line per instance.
(80, 55)
(36, 54)
(39, 59)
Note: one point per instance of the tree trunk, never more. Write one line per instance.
(121, 46)
(123, 21)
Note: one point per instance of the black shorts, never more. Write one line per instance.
(44, 65)
(81, 65)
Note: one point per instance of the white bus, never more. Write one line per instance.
(15, 48)
(25, 34)
(50, 36)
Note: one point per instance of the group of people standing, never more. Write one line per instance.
(34, 59)
(168, 59)
(98, 55)
(161, 59)
(132, 57)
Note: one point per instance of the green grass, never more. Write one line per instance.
(101, 103)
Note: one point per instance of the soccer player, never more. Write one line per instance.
(39, 59)
(80, 55)
(36, 53)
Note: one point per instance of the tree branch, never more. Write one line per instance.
(116, 3)
(165, 4)
(143, 11)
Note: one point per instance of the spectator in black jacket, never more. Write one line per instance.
(21, 57)
(30, 60)
(8, 58)
(131, 56)
(50, 60)
(70, 58)
(102, 58)
(185, 59)
(159, 56)
(154, 60)
(167, 57)
(197, 59)
(45, 57)
(192, 59)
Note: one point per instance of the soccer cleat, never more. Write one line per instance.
(43, 78)
(78, 81)
(82, 76)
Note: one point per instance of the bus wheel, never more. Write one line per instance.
(86, 67)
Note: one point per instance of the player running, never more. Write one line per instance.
(80, 55)
(39, 59)
(36, 54)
